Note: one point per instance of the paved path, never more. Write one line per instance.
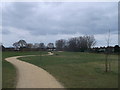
(31, 76)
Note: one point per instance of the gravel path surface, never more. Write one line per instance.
(31, 76)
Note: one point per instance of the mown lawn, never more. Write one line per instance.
(8, 70)
(79, 70)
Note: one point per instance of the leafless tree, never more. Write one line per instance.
(16, 45)
(29, 45)
(60, 44)
(81, 43)
(72, 44)
(22, 43)
(86, 42)
(90, 41)
(107, 63)
(50, 46)
(36, 45)
(42, 45)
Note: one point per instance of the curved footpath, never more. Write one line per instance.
(31, 76)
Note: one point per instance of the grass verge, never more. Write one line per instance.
(9, 71)
(79, 70)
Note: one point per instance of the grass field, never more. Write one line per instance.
(9, 71)
(79, 70)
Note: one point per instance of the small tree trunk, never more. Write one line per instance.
(106, 63)
(109, 66)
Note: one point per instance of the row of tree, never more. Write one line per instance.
(20, 44)
(82, 43)
(23, 44)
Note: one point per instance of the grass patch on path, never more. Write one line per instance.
(9, 71)
(79, 70)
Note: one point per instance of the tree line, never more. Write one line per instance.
(81, 43)
(76, 44)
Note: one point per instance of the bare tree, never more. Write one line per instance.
(107, 63)
(60, 44)
(86, 42)
(50, 46)
(42, 45)
(16, 45)
(37, 45)
(81, 43)
(90, 41)
(72, 44)
(29, 45)
(22, 43)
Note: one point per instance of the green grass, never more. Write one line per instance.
(79, 70)
(8, 75)
(9, 71)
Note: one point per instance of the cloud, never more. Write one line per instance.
(29, 38)
(46, 19)
(102, 39)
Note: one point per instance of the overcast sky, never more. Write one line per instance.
(48, 22)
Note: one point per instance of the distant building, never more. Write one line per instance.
(102, 49)
(109, 49)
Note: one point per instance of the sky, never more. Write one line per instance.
(47, 22)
